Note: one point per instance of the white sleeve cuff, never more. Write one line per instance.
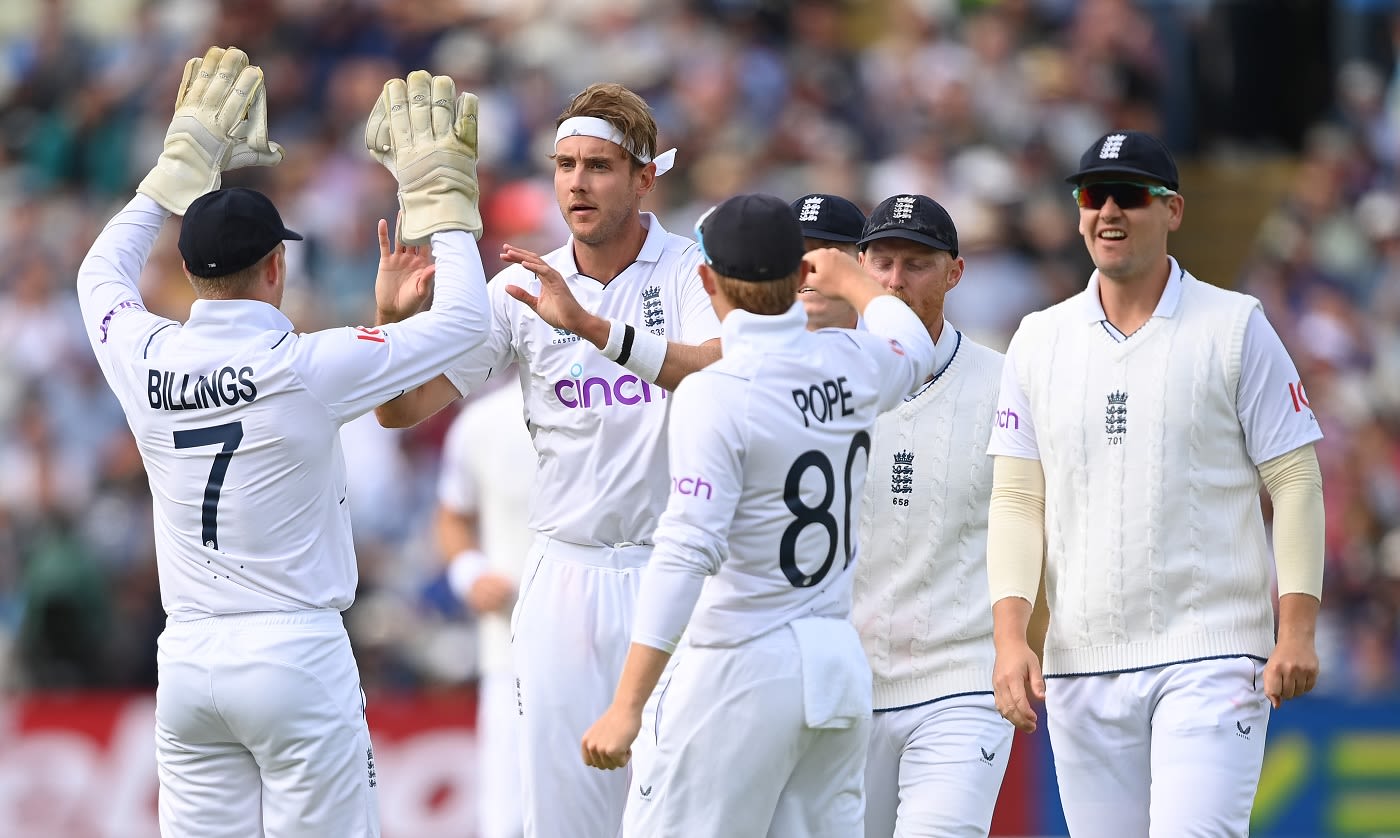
(617, 331)
(636, 349)
(463, 571)
(664, 605)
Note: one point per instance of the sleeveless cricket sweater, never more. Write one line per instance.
(921, 578)
(1155, 543)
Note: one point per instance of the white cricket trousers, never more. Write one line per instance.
(1171, 752)
(571, 630)
(935, 770)
(260, 729)
(498, 754)
(735, 757)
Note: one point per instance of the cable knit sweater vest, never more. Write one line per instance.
(921, 582)
(1155, 542)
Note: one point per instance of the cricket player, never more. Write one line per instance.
(600, 330)
(1135, 424)
(938, 747)
(763, 727)
(488, 466)
(260, 719)
(828, 221)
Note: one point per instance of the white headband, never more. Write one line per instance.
(592, 126)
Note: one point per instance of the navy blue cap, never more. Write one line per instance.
(829, 217)
(1128, 153)
(917, 218)
(751, 237)
(227, 230)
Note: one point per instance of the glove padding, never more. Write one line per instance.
(220, 124)
(428, 142)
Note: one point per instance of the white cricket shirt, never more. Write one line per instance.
(600, 430)
(238, 419)
(488, 467)
(1155, 544)
(1273, 406)
(765, 492)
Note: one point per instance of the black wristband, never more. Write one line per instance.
(628, 335)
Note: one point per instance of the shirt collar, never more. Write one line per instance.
(652, 248)
(768, 331)
(1166, 305)
(251, 315)
(944, 350)
(944, 347)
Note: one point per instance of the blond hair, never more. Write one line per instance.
(624, 110)
(235, 286)
(774, 296)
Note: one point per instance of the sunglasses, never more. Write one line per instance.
(1126, 194)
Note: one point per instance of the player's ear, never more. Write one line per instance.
(707, 279)
(1176, 208)
(646, 179)
(955, 272)
(275, 269)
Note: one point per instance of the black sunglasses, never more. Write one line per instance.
(1126, 194)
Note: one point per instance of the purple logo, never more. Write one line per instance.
(107, 320)
(1008, 419)
(585, 393)
(693, 486)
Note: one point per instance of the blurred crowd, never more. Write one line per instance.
(983, 104)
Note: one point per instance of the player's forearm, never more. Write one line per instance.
(413, 406)
(890, 318)
(1294, 481)
(455, 531)
(859, 289)
(665, 603)
(640, 673)
(109, 273)
(1039, 623)
(1016, 530)
(682, 359)
(1011, 618)
(460, 315)
(1297, 617)
(651, 357)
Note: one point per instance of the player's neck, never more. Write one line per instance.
(1129, 301)
(606, 259)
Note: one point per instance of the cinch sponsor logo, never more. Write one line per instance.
(585, 393)
(1008, 419)
(692, 486)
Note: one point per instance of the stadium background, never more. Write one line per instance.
(1285, 115)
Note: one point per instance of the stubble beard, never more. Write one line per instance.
(606, 229)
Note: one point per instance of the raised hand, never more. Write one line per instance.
(404, 280)
(428, 141)
(555, 303)
(220, 124)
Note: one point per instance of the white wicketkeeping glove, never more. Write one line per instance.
(220, 124)
(428, 141)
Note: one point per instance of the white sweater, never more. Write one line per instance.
(1155, 542)
(921, 580)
